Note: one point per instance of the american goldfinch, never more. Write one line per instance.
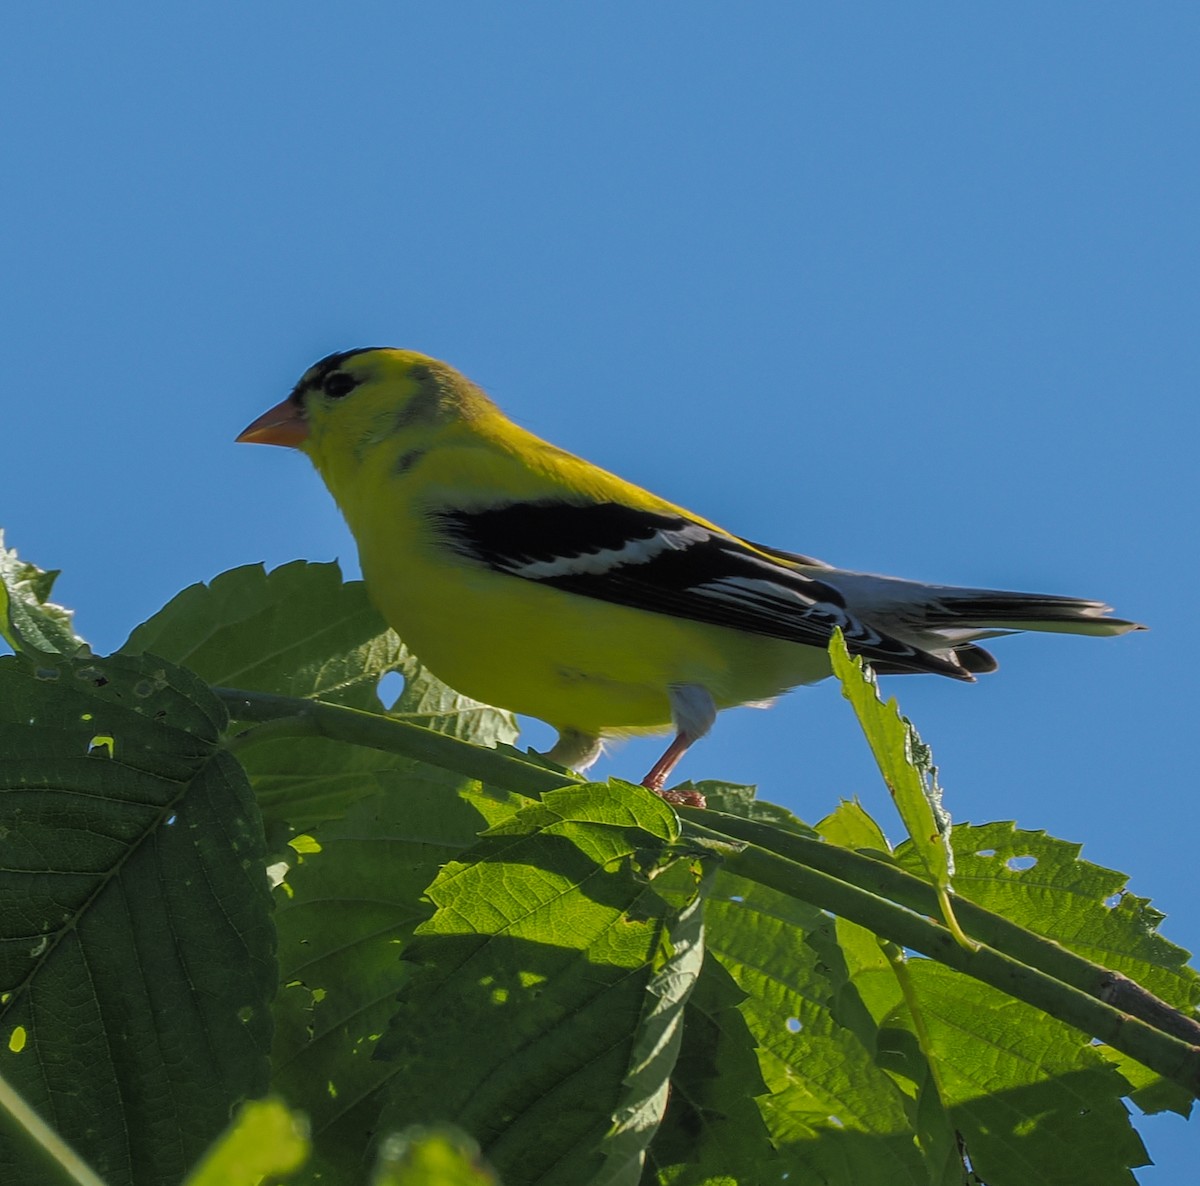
(528, 578)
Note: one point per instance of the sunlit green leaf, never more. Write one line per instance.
(29, 620)
(1032, 1099)
(1041, 883)
(552, 978)
(832, 1113)
(904, 761)
(1150, 1092)
(264, 1141)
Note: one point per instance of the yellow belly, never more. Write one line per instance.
(573, 661)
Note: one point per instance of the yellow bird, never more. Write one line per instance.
(528, 578)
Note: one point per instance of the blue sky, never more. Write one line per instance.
(908, 288)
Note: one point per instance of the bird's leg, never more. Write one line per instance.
(659, 771)
(693, 712)
(575, 750)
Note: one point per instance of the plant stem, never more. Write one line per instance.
(995, 930)
(877, 895)
(61, 1165)
(1171, 1057)
(502, 766)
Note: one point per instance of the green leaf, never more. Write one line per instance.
(879, 976)
(1040, 883)
(904, 761)
(421, 1156)
(553, 975)
(1033, 1101)
(298, 630)
(867, 964)
(301, 630)
(346, 909)
(264, 1140)
(136, 951)
(1022, 1089)
(713, 1130)
(32, 1142)
(29, 621)
(832, 1114)
(1149, 1091)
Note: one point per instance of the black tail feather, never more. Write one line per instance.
(971, 660)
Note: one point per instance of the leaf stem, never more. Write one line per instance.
(898, 962)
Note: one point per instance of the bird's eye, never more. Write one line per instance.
(339, 383)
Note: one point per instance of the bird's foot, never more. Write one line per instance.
(681, 798)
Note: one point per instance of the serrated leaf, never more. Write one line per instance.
(137, 955)
(265, 1140)
(553, 973)
(1040, 882)
(29, 620)
(851, 826)
(1148, 1090)
(832, 1114)
(713, 1131)
(300, 630)
(1033, 1101)
(345, 911)
(904, 761)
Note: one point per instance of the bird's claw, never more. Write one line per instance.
(681, 798)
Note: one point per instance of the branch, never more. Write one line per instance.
(1169, 1056)
(503, 767)
(995, 930)
(60, 1164)
(1014, 960)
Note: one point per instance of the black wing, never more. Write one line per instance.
(669, 564)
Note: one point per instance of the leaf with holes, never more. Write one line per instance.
(300, 630)
(833, 1115)
(1039, 882)
(543, 1013)
(137, 954)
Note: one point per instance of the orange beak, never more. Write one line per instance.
(284, 424)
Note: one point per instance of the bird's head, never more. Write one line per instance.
(357, 396)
